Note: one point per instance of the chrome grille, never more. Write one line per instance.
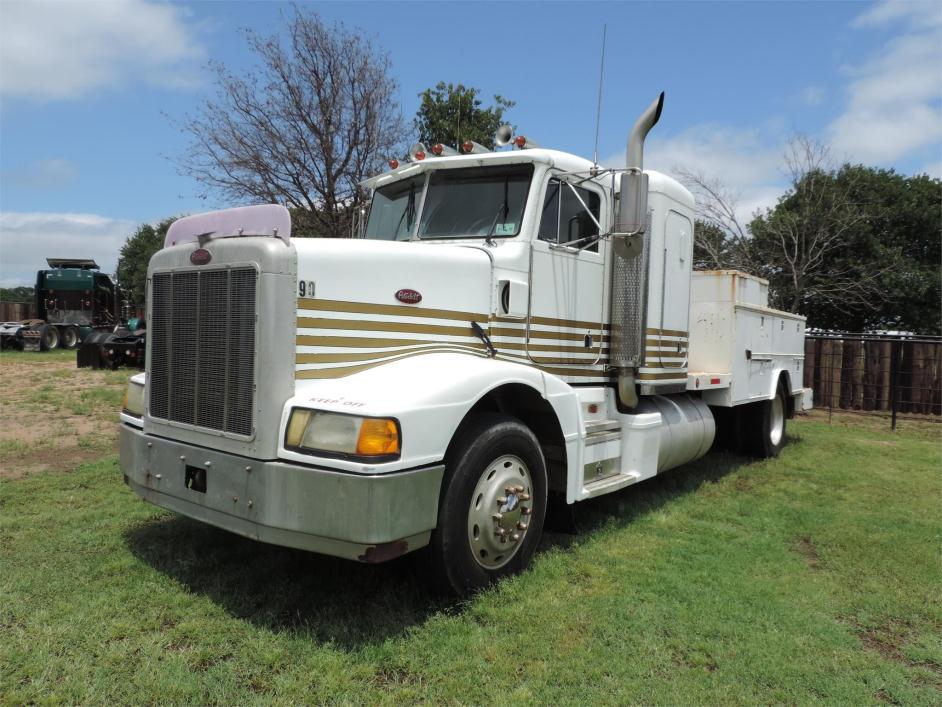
(202, 351)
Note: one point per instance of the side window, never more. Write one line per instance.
(549, 220)
(564, 218)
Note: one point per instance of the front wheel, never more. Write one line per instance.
(492, 504)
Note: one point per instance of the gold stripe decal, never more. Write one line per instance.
(343, 371)
(326, 305)
(366, 325)
(666, 332)
(661, 376)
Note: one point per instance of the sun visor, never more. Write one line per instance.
(265, 220)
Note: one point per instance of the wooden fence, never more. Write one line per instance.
(875, 373)
(14, 311)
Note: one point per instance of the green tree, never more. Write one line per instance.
(856, 249)
(136, 254)
(17, 294)
(452, 113)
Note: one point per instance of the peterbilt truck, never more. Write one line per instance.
(513, 325)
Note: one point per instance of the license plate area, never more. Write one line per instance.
(195, 478)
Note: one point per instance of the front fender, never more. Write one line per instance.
(429, 395)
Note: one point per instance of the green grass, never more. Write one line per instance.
(814, 577)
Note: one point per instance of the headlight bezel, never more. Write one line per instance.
(137, 398)
(333, 454)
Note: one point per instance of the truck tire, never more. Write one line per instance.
(69, 337)
(764, 431)
(49, 337)
(492, 504)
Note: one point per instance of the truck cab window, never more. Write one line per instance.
(394, 210)
(475, 202)
(564, 219)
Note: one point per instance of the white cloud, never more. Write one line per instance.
(62, 50)
(747, 162)
(813, 95)
(894, 97)
(28, 238)
(43, 174)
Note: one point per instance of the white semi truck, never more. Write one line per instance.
(512, 324)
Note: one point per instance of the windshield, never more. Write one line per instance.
(392, 215)
(477, 202)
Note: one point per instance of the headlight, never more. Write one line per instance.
(349, 435)
(134, 399)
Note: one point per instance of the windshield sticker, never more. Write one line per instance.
(505, 229)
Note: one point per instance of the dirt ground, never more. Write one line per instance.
(54, 416)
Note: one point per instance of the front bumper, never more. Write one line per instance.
(370, 518)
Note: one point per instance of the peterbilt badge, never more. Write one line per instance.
(200, 256)
(408, 296)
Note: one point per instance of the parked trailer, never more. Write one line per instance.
(513, 326)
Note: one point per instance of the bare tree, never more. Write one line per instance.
(721, 240)
(808, 239)
(316, 117)
(802, 246)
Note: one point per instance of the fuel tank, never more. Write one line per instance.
(687, 428)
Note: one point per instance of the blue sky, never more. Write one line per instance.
(86, 90)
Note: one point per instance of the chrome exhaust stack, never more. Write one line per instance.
(629, 272)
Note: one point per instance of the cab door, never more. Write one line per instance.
(567, 284)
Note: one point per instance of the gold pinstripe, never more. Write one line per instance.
(326, 305)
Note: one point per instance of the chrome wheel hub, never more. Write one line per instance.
(778, 420)
(499, 514)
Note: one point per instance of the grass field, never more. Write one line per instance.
(814, 577)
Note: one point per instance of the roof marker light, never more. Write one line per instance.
(417, 152)
(393, 163)
(471, 147)
(440, 150)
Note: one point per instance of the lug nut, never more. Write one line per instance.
(515, 537)
(524, 511)
(498, 517)
(501, 501)
(521, 526)
(509, 489)
(524, 497)
(519, 489)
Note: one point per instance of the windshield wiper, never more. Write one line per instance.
(504, 209)
(409, 210)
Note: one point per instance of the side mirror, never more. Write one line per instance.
(632, 214)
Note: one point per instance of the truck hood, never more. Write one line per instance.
(363, 303)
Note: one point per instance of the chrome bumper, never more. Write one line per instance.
(368, 518)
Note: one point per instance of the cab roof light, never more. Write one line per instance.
(469, 147)
(417, 152)
(521, 142)
(440, 150)
(393, 163)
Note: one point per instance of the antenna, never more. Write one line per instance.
(598, 110)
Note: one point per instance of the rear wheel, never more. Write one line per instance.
(492, 506)
(49, 337)
(766, 434)
(70, 337)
